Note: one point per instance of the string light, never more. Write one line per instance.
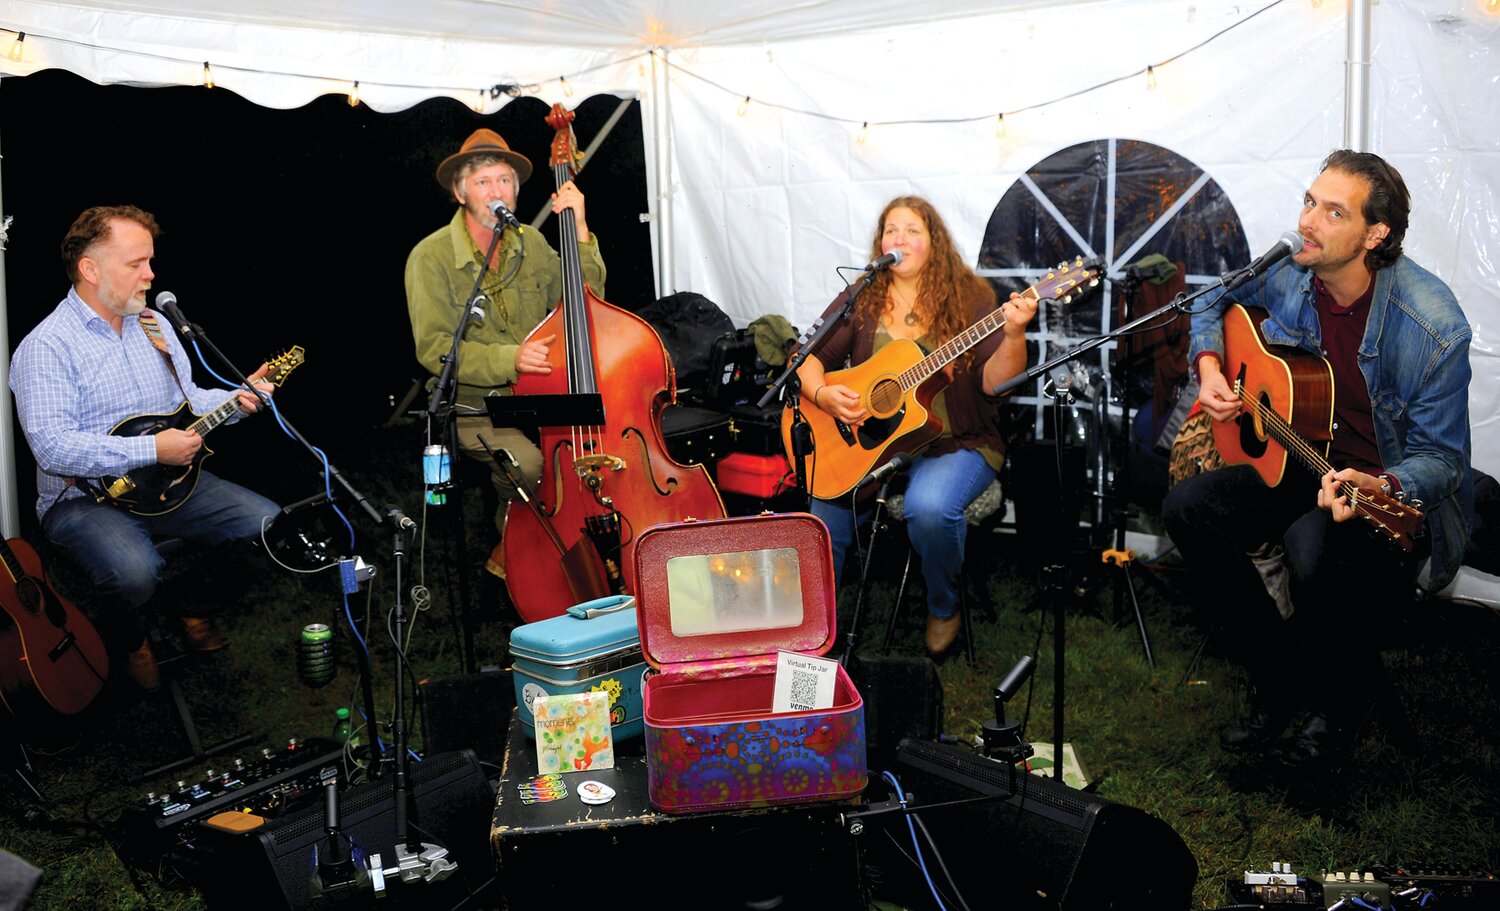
(567, 89)
(744, 106)
(208, 76)
(354, 95)
(864, 132)
(479, 102)
(999, 126)
(1317, 4)
(1151, 77)
(17, 48)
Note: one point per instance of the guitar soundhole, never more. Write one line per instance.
(885, 398)
(1252, 441)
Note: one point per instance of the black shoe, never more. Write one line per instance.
(1319, 743)
(1266, 722)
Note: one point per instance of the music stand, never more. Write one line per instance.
(575, 409)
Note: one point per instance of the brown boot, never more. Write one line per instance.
(141, 666)
(941, 631)
(201, 635)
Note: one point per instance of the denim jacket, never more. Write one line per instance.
(1415, 361)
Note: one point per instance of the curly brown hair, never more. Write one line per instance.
(1388, 203)
(946, 282)
(93, 226)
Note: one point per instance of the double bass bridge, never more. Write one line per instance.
(590, 467)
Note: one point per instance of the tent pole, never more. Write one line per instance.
(661, 123)
(1357, 78)
(10, 516)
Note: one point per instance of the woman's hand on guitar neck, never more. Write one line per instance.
(1214, 392)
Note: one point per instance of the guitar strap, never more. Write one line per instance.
(152, 328)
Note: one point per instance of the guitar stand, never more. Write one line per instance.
(197, 751)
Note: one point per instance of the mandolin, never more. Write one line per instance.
(158, 489)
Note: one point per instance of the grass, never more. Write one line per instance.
(1146, 738)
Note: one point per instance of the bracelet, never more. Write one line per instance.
(815, 394)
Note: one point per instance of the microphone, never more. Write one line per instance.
(880, 262)
(503, 216)
(166, 302)
(399, 519)
(1286, 245)
(899, 463)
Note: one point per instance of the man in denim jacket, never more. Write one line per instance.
(1398, 346)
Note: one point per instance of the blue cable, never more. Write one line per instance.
(276, 413)
(916, 845)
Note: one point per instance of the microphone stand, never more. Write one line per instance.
(1054, 582)
(415, 860)
(444, 390)
(851, 638)
(802, 442)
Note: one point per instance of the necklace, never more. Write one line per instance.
(912, 318)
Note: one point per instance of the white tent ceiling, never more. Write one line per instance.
(755, 204)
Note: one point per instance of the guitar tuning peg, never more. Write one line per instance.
(1067, 299)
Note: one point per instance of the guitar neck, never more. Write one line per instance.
(954, 348)
(228, 409)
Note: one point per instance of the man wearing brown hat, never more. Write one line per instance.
(520, 284)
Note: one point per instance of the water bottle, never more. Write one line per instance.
(341, 726)
(436, 469)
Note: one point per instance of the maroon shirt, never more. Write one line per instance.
(1353, 427)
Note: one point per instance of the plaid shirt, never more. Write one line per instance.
(74, 380)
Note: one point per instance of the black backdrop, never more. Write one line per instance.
(284, 227)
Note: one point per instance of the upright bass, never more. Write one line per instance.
(602, 484)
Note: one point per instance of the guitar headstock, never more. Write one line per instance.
(278, 367)
(1391, 519)
(1068, 280)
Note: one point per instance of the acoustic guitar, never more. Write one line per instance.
(896, 387)
(1287, 396)
(158, 489)
(52, 661)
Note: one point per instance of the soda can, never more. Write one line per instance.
(316, 632)
(317, 662)
(436, 469)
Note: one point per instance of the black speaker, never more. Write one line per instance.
(272, 867)
(903, 699)
(1018, 841)
(467, 712)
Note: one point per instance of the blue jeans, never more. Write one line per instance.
(115, 547)
(937, 490)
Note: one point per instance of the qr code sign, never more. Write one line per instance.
(804, 690)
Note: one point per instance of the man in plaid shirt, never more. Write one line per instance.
(99, 358)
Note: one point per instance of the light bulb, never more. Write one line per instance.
(354, 95)
(208, 76)
(744, 106)
(567, 89)
(864, 132)
(1151, 77)
(17, 48)
(999, 126)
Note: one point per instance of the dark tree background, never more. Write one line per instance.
(284, 227)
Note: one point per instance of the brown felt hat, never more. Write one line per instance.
(482, 142)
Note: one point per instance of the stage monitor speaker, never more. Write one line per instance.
(272, 867)
(903, 699)
(467, 712)
(1041, 844)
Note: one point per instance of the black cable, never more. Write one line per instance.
(938, 856)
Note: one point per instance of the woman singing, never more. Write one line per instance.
(929, 296)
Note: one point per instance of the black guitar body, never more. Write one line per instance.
(155, 490)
